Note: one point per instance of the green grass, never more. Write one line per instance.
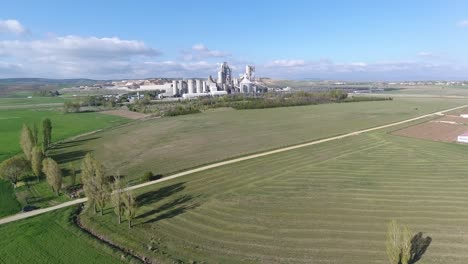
(328, 203)
(170, 144)
(52, 238)
(8, 203)
(64, 125)
(15, 101)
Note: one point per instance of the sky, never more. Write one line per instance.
(337, 40)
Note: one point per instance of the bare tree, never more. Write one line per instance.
(129, 207)
(102, 186)
(95, 183)
(53, 174)
(13, 168)
(117, 198)
(36, 161)
(26, 141)
(87, 178)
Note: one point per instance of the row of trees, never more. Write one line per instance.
(34, 159)
(100, 190)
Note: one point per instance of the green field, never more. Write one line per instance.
(19, 101)
(8, 203)
(170, 144)
(328, 203)
(64, 125)
(52, 238)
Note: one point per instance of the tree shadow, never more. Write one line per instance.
(72, 143)
(154, 196)
(69, 156)
(169, 209)
(419, 245)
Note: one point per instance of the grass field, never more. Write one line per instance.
(328, 203)
(52, 238)
(8, 203)
(171, 144)
(64, 125)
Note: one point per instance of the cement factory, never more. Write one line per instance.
(246, 83)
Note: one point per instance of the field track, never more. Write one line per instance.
(20, 216)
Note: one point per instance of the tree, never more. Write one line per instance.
(129, 207)
(53, 174)
(403, 247)
(46, 133)
(117, 198)
(13, 168)
(36, 161)
(87, 178)
(95, 183)
(26, 141)
(102, 186)
(35, 134)
(70, 106)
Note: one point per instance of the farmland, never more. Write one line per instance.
(171, 144)
(329, 203)
(64, 125)
(52, 238)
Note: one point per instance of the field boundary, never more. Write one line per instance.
(20, 216)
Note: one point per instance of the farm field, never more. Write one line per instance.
(64, 125)
(52, 238)
(328, 203)
(171, 144)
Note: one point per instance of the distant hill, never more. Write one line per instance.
(12, 86)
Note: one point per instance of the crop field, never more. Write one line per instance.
(52, 238)
(171, 144)
(328, 203)
(64, 125)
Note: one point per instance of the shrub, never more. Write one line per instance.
(147, 176)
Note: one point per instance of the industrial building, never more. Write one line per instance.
(191, 88)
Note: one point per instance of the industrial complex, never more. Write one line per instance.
(224, 84)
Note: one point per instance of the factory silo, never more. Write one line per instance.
(181, 87)
(204, 87)
(174, 88)
(198, 86)
(190, 86)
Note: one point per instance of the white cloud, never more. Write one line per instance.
(75, 46)
(12, 26)
(463, 23)
(201, 52)
(286, 63)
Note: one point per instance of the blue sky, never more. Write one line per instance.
(352, 40)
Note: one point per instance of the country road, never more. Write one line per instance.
(20, 216)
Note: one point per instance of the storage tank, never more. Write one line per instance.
(190, 86)
(181, 87)
(198, 86)
(204, 87)
(174, 88)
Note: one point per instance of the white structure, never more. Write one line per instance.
(198, 86)
(190, 87)
(463, 138)
(246, 86)
(174, 88)
(464, 116)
